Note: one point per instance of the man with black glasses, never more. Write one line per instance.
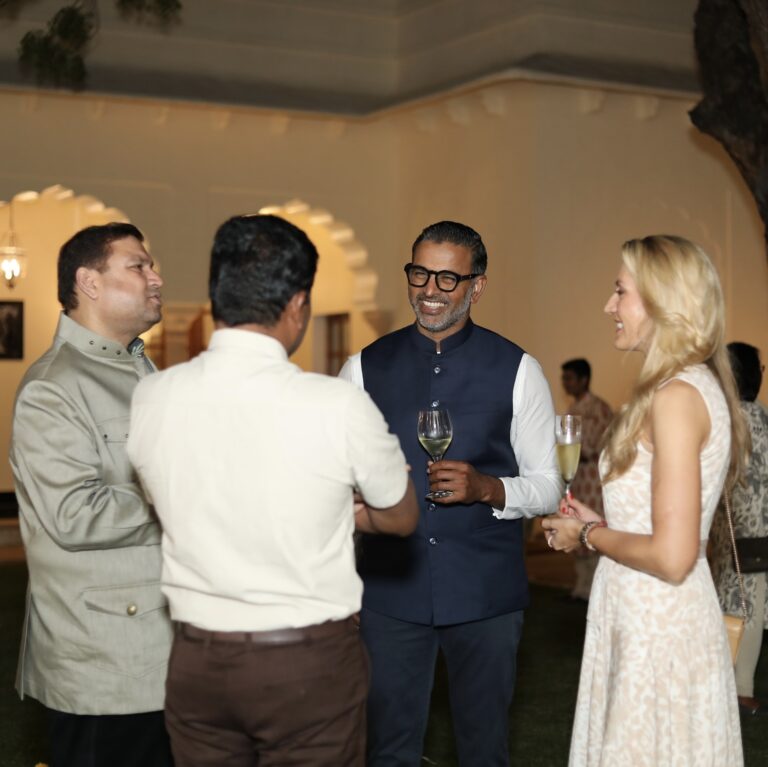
(458, 583)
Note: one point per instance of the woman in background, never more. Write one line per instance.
(749, 506)
(657, 684)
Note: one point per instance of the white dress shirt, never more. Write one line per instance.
(250, 464)
(538, 487)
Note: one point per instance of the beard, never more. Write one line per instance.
(439, 323)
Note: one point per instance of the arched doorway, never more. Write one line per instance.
(345, 315)
(43, 221)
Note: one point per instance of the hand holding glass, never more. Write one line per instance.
(568, 438)
(435, 433)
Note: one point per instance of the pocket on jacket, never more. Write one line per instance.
(129, 627)
(115, 429)
(116, 466)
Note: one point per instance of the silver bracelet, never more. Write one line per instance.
(584, 534)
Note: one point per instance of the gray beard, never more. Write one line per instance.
(439, 324)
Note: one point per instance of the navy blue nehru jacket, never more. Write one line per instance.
(462, 563)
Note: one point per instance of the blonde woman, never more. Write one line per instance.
(657, 685)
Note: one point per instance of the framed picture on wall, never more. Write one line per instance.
(11, 330)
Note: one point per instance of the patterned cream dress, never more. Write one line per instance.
(657, 686)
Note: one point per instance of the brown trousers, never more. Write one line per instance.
(294, 698)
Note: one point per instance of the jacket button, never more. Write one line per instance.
(132, 609)
(433, 541)
(436, 369)
(432, 507)
(435, 402)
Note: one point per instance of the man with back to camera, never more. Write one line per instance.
(251, 464)
(97, 633)
(459, 582)
(596, 415)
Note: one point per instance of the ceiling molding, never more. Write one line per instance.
(348, 58)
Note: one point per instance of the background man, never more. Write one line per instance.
(97, 634)
(459, 582)
(595, 414)
(251, 464)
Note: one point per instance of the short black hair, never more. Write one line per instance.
(580, 367)
(89, 248)
(456, 234)
(747, 370)
(258, 263)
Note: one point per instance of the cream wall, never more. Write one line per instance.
(554, 176)
(616, 166)
(178, 171)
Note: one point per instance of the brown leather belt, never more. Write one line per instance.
(275, 637)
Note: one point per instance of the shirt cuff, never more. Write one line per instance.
(543, 498)
(506, 513)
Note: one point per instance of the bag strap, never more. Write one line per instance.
(736, 564)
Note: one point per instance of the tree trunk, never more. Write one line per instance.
(731, 38)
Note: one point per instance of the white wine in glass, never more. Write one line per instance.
(435, 433)
(568, 438)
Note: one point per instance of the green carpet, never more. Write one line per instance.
(540, 720)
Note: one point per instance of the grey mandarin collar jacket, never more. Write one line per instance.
(97, 634)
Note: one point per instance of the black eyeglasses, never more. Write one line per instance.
(445, 279)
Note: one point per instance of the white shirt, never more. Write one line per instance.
(250, 464)
(538, 487)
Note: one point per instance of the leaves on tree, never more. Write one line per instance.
(56, 55)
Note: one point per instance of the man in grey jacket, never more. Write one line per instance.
(97, 633)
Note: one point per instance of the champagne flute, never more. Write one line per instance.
(435, 433)
(568, 438)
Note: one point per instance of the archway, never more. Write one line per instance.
(345, 315)
(43, 221)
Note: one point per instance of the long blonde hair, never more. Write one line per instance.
(681, 294)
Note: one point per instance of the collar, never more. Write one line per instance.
(93, 344)
(454, 341)
(247, 340)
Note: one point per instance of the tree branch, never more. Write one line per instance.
(732, 48)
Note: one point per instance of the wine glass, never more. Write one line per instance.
(435, 434)
(568, 438)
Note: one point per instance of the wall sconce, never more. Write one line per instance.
(12, 256)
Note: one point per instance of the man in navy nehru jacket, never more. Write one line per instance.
(459, 582)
